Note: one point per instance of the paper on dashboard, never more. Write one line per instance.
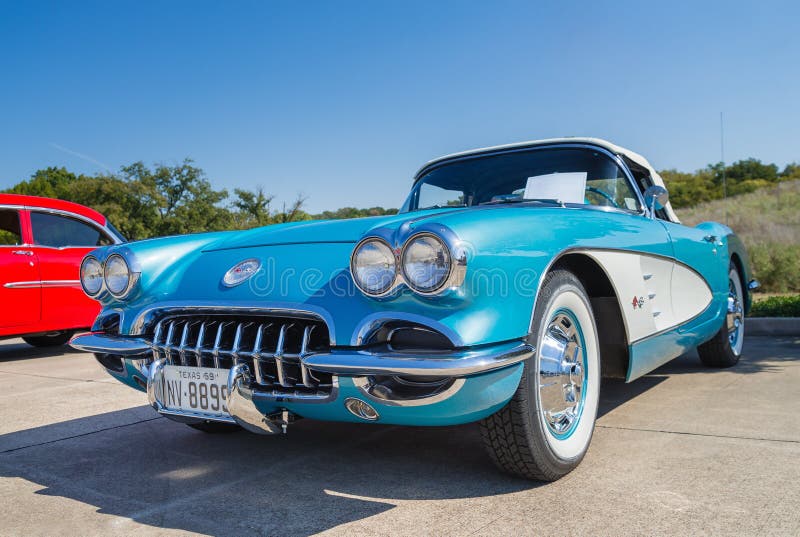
(565, 187)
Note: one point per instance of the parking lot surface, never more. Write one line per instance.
(684, 451)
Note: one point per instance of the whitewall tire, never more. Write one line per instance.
(544, 431)
(725, 348)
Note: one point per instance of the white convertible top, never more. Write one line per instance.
(635, 157)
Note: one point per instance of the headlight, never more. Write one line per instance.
(426, 263)
(117, 275)
(373, 267)
(91, 276)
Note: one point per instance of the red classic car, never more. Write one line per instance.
(42, 243)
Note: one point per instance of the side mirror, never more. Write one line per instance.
(655, 197)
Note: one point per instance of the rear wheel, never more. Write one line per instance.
(725, 348)
(215, 427)
(52, 339)
(545, 430)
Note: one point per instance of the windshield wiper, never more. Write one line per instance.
(439, 207)
(522, 200)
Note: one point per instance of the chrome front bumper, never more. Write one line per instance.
(243, 400)
(458, 363)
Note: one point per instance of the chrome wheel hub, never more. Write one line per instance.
(561, 374)
(735, 317)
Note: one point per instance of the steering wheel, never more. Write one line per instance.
(603, 194)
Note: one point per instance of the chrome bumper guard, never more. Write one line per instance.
(240, 401)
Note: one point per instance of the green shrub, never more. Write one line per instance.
(776, 265)
(776, 306)
(768, 221)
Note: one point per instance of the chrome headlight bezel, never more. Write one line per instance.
(443, 283)
(455, 249)
(391, 285)
(131, 275)
(101, 272)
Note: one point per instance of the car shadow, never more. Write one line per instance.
(15, 350)
(320, 475)
(135, 465)
(138, 466)
(757, 357)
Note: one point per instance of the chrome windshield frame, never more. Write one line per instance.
(617, 159)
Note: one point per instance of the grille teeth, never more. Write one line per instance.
(273, 348)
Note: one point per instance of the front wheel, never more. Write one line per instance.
(725, 348)
(545, 430)
(53, 339)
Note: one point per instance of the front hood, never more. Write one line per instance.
(306, 266)
(315, 231)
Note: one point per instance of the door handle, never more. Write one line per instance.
(713, 239)
(22, 252)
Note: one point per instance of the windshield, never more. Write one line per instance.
(563, 174)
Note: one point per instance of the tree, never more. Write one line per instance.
(180, 198)
(293, 213)
(49, 183)
(750, 169)
(253, 207)
(791, 171)
(353, 212)
(118, 200)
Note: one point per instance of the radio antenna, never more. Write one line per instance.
(722, 158)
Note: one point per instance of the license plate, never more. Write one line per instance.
(195, 389)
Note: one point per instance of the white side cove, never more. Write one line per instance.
(655, 293)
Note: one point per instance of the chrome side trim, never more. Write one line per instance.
(61, 283)
(364, 385)
(303, 311)
(22, 285)
(42, 283)
(460, 363)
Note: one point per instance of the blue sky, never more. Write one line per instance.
(343, 101)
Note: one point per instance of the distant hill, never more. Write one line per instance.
(768, 221)
(687, 189)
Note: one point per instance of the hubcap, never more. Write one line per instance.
(735, 314)
(561, 374)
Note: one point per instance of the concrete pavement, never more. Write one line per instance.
(683, 451)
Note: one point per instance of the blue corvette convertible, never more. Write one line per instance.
(512, 280)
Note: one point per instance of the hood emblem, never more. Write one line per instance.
(241, 272)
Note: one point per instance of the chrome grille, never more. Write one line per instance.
(272, 347)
